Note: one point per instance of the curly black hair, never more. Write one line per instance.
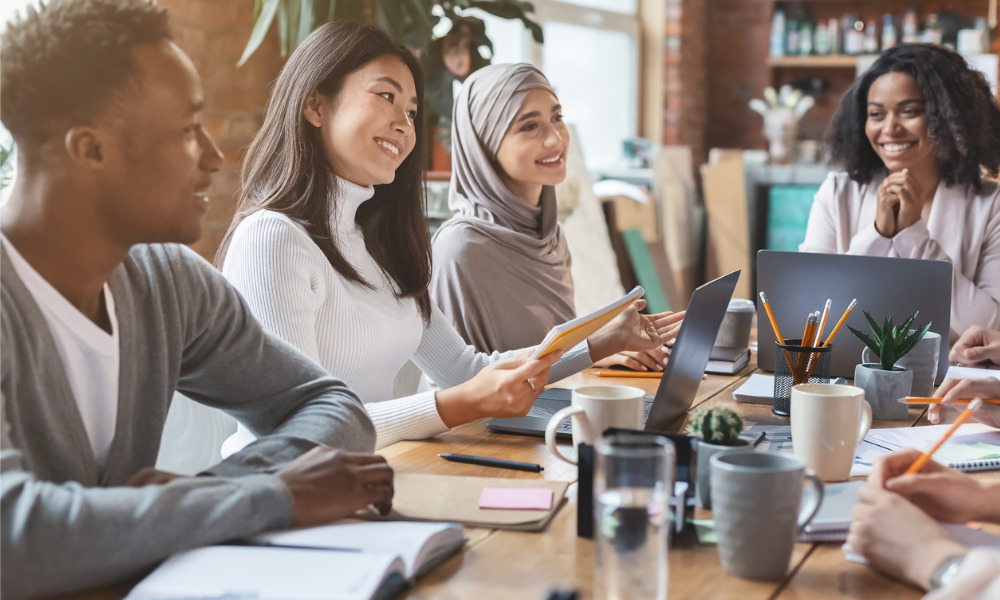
(963, 118)
(65, 62)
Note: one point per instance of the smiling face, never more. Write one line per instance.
(896, 124)
(367, 128)
(159, 164)
(532, 152)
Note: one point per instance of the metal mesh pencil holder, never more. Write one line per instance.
(794, 364)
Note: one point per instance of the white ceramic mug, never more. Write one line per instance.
(922, 360)
(594, 409)
(828, 422)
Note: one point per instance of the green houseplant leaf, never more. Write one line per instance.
(261, 24)
(890, 342)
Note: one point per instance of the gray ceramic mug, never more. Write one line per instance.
(756, 498)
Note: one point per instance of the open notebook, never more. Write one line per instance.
(834, 518)
(571, 333)
(348, 560)
(973, 447)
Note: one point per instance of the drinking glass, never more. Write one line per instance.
(633, 480)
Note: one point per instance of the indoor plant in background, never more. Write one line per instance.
(883, 382)
(717, 430)
(447, 57)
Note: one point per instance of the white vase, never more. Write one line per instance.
(883, 389)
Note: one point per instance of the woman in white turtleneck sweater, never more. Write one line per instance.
(331, 251)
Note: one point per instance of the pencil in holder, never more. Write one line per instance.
(795, 364)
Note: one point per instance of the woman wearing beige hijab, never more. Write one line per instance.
(501, 264)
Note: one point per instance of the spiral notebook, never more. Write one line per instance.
(974, 447)
(834, 516)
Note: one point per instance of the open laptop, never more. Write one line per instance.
(681, 375)
(797, 283)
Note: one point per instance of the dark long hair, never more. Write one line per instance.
(963, 119)
(286, 169)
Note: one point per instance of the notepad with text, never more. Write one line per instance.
(571, 333)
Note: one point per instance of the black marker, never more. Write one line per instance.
(491, 462)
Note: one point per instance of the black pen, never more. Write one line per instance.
(491, 462)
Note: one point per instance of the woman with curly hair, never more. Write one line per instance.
(919, 138)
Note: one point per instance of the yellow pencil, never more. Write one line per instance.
(840, 323)
(770, 316)
(810, 330)
(922, 460)
(920, 400)
(822, 323)
(616, 373)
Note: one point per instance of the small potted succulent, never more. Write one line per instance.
(885, 383)
(717, 430)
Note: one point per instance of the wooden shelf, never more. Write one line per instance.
(828, 62)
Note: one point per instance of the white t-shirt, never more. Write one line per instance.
(89, 354)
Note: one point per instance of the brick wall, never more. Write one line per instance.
(213, 33)
(737, 34)
(685, 92)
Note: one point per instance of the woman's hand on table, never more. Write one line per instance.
(506, 388)
(897, 537)
(978, 346)
(644, 360)
(953, 389)
(943, 493)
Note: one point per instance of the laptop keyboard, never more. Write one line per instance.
(544, 412)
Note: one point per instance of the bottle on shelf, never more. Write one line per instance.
(821, 40)
(778, 33)
(871, 37)
(833, 31)
(805, 38)
(792, 37)
(932, 30)
(853, 38)
(888, 32)
(910, 27)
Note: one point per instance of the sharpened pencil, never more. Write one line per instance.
(616, 373)
(923, 459)
(770, 316)
(822, 323)
(840, 323)
(921, 400)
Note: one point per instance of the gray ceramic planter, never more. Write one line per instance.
(703, 483)
(883, 389)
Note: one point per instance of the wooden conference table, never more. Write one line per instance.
(509, 564)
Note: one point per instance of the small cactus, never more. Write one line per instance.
(716, 426)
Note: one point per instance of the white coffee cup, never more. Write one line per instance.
(828, 422)
(594, 409)
(922, 360)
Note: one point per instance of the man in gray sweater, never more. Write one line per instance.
(104, 316)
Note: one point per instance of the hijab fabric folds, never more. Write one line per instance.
(501, 267)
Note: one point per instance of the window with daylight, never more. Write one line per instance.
(591, 56)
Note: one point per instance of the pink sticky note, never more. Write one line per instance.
(516, 498)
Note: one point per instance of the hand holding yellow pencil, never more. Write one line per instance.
(921, 462)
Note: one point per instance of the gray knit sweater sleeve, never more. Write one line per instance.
(65, 523)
